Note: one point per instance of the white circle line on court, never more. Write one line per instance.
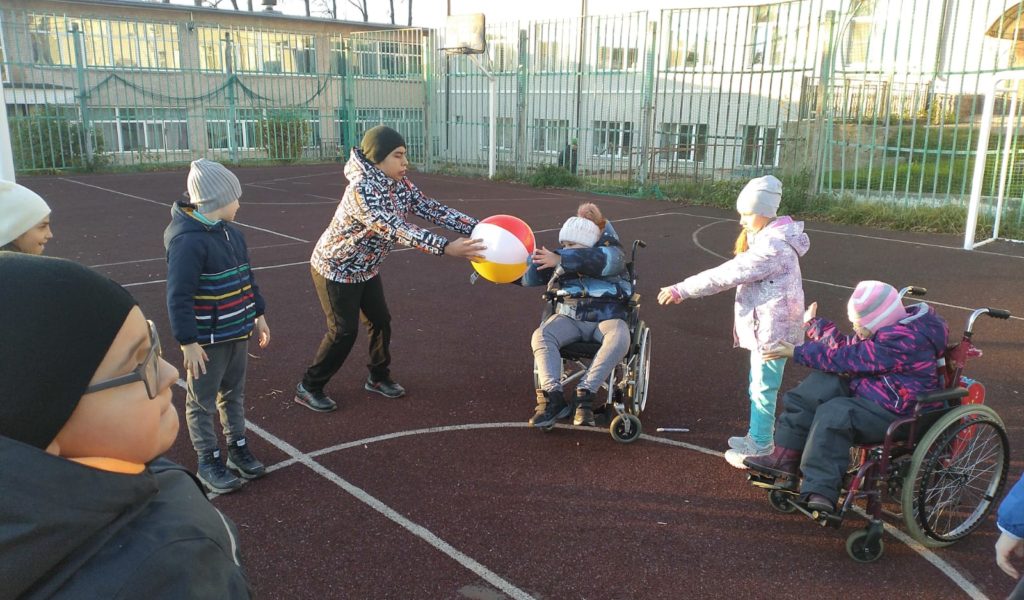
(306, 459)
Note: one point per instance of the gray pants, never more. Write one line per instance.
(222, 388)
(560, 330)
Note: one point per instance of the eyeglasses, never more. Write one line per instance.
(148, 371)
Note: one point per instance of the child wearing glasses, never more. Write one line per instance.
(589, 275)
(85, 412)
(214, 307)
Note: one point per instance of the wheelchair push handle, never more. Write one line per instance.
(913, 290)
(998, 313)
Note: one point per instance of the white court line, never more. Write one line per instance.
(948, 570)
(292, 178)
(165, 205)
(417, 530)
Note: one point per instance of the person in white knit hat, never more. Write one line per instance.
(589, 275)
(769, 306)
(24, 219)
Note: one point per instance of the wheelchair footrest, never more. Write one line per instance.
(770, 482)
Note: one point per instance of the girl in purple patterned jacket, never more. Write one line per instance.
(861, 384)
(371, 218)
(769, 301)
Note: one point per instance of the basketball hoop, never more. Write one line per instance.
(465, 34)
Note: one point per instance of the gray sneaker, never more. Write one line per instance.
(214, 475)
(736, 456)
(740, 441)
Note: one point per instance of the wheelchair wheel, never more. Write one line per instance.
(956, 474)
(641, 371)
(625, 428)
(780, 501)
(859, 548)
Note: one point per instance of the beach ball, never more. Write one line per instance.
(509, 244)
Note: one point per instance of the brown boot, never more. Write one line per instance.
(782, 462)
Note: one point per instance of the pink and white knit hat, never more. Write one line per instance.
(875, 305)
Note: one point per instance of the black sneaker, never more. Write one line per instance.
(584, 408)
(241, 460)
(317, 401)
(384, 387)
(555, 410)
(538, 412)
(215, 476)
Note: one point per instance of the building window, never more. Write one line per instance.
(140, 129)
(611, 58)
(388, 60)
(858, 35)
(612, 138)
(684, 141)
(338, 56)
(105, 43)
(248, 129)
(50, 41)
(503, 55)
(547, 53)
(550, 135)
(407, 121)
(763, 42)
(256, 51)
(760, 146)
(505, 136)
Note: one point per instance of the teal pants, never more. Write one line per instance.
(765, 379)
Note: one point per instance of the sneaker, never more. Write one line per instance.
(542, 404)
(817, 502)
(584, 408)
(385, 387)
(241, 460)
(317, 401)
(555, 410)
(736, 456)
(740, 441)
(214, 475)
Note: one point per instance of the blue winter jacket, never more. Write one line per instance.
(593, 281)
(212, 296)
(1011, 511)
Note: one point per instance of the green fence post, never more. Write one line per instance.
(229, 69)
(348, 104)
(646, 119)
(83, 94)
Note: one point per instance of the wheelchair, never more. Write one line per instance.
(625, 390)
(944, 466)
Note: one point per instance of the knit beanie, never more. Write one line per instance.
(211, 185)
(875, 305)
(761, 196)
(21, 209)
(379, 142)
(59, 319)
(580, 231)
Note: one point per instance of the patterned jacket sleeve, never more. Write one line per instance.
(439, 214)
(826, 332)
(880, 354)
(600, 261)
(748, 267)
(1011, 511)
(387, 223)
(534, 276)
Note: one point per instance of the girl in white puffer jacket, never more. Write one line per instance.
(769, 301)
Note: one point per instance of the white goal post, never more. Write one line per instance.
(981, 157)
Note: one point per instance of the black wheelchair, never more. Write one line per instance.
(625, 390)
(945, 465)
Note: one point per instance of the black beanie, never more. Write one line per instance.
(379, 142)
(57, 321)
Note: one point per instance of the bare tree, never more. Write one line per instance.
(392, 10)
(410, 13)
(306, 2)
(327, 8)
(361, 6)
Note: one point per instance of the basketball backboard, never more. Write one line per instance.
(464, 34)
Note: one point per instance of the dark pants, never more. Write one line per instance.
(820, 417)
(344, 304)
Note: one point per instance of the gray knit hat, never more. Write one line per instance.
(211, 185)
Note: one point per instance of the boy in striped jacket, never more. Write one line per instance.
(214, 307)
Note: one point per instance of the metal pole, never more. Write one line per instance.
(83, 104)
(232, 110)
(492, 106)
(824, 99)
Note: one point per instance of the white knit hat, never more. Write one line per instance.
(579, 231)
(211, 185)
(21, 209)
(761, 196)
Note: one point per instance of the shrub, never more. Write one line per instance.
(552, 176)
(284, 135)
(51, 139)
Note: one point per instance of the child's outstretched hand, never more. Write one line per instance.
(465, 248)
(546, 259)
(811, 312)
(195, 359)
(1007, 548)
(262, 331)
(779, 350)
(669, 295)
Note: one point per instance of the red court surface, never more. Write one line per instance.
(446, 493)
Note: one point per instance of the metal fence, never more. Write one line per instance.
(874, 98)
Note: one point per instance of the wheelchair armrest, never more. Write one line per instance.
(946, 397)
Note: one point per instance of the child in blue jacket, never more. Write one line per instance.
(1011, 541)
(861, 384)
(214, 307)
(589, 274)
